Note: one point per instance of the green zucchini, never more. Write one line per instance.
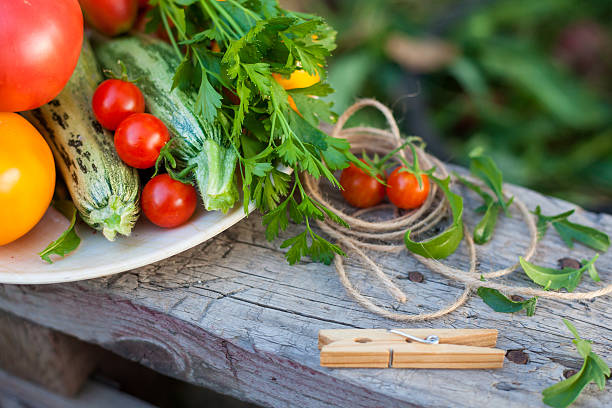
(102, 187)
(210, 159)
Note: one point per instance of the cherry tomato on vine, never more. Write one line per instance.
(41, 43)
(115, 100)
(139, 139)
(359, 188)
(168, 203)
(404, 191)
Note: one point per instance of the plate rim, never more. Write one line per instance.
(235, 215)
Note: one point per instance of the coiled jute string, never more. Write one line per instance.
(382, 236)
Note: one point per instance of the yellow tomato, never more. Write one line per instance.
(27, 177)
(298, 79)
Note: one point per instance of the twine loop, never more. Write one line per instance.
(382, 236)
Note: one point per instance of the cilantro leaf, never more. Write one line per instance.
(594, 369)
(208, 100)
(314, 110)
(68, 241)
(570, 232)
(554, 279)
(276, 221)
(500, 303)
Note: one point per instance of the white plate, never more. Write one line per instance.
(96, 257)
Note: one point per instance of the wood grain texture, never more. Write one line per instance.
(231, 315)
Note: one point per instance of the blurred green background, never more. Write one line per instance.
(529, 80)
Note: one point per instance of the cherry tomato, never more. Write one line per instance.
(110, 17)
(139, 139)
(359, 188)
(41, 44)
(168, 203)
(403, 189)
(143, 19)
(27, 177)
(115, 100)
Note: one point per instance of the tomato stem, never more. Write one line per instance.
(415, 168)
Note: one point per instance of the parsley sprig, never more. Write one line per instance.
(237, 93)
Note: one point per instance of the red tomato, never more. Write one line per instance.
(141, 24)
(41, 44)
(143, 3)
(139, 139)
(115, 100)
(110, 17)
(168, 203)
(359, 188)
(403, 189)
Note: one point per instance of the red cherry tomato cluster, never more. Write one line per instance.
(363, 190)
(139, 137)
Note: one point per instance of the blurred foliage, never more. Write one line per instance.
(530, 81)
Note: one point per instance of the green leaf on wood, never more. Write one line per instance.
(69, 240)
(483, 232)
(502, 304)
(485, 169)
(594, 369)
(570, 231)
(446, 243)
(554, 279)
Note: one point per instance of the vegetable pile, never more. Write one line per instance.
(216, 103)
(246, 79)
(233, 93)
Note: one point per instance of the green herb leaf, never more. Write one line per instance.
(483, 232)
(571, 232)
(594, 369)
(69, 240)
(446, 243)
(592, 270)
(554, 279)
(485, 169)
(502, 304)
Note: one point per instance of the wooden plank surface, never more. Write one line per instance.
(231, 315)
(18, 393)
(35, 353)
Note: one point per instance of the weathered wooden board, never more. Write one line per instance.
(18, 393)
(231, 315)
(35, 353)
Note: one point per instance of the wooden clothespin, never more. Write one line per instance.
(411, 348)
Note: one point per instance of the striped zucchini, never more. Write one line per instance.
(103, 188)
(201, 148)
